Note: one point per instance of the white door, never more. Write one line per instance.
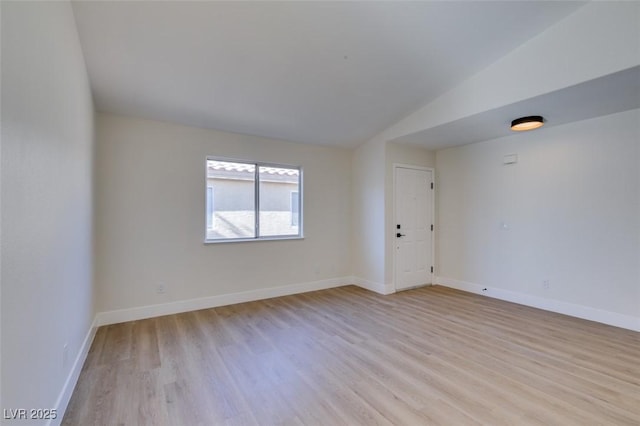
(414, 227)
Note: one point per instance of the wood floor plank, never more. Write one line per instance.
(346, 356)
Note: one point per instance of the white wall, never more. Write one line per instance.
(368, 220)
(150, 215)
(46, 190)
(572, 206)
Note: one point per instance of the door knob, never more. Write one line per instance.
(398, 235)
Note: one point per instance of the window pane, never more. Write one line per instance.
(231, 200)
(279, 213)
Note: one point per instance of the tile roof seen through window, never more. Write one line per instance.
(233, 170)
(244, 167)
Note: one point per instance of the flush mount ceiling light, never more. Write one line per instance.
(527, 123)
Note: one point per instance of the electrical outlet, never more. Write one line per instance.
(546, 284)
(161, 288)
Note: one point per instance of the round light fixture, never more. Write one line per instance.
(527, 123)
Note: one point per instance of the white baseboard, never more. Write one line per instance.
(150, 311)
(373, 286)
(70, 384)
(578, 311)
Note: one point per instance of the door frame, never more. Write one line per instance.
(433, 218)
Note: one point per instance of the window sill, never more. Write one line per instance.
(253, 240)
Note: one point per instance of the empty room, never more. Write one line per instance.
(320, 213)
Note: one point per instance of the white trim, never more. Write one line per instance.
(379, 288)
(252, 240)
(578, 311)
(150, 311)
(412, 166)
(433, 219)
(72, 379)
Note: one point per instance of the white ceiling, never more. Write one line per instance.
(614, 93)
(332, 73)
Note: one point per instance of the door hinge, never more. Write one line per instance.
(432, 269)
(431, 185)
(431, 227)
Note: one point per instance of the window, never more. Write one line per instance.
(252, 201)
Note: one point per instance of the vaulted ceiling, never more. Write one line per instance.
(335, 73)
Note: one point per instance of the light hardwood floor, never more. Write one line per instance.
(348, 356)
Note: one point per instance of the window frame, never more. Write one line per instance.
(297, 213)
(209, 206)
(256, 194)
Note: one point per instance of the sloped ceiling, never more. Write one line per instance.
(333, 73)
(605, 95)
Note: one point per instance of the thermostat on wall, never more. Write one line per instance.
(510, 159)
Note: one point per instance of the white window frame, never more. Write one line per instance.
(210, 207)
(291, 198)
(256, 182)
